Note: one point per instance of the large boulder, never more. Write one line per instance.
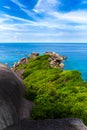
(50, 124)
(13, 107)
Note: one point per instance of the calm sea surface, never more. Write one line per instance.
(76, 53)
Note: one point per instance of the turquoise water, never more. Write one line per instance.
(76, 53)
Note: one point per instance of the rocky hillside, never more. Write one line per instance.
(55, 60)
(43, 87)
(56, 93)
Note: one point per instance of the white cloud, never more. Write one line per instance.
(24, 9)
(53, 2)
(11, 18)
(54, 26)
(7, 7)
(46, 5)
(18, 3)
(75, 16)
(6, 27)
(84, 2)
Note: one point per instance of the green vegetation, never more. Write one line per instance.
(57, 93)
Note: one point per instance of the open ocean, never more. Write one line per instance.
(76, 53)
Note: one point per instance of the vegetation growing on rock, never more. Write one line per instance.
(57, 93)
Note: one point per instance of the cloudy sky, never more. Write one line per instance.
(43, 20)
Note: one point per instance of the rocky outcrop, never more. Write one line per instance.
(12, 105)
(50, 124)
(34, 55)
(56, 60)
(11, 89)
(24, 60)
(21, 61)
(17, 64)
(14, 109)
(26, 108)
(56, 55)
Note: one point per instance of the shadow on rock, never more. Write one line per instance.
(50, 124)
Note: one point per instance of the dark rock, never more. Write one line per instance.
(13, 106)
(50, 124)
(64, 57)
(25, 109)
(34, 55)
(19, 72)
(11, 90)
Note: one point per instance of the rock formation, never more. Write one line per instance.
(14, 109)
(11, 89)
(50, 124)
(34, 55)
(11, 98)
(21, 61)
(56, 60)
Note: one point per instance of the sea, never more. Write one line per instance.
(76, 53)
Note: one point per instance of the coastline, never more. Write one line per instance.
(76, 54)
(52, 90)
(42, 77)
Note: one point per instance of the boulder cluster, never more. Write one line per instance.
(13, 107)
(34, 55)
(55, 60)
(24, 60)
(21, 61)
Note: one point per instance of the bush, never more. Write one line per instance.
(57, 93)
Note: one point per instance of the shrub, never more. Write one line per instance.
(57, 93)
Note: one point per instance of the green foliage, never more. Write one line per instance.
(57, 93)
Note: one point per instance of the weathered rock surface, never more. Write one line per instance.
(34, 55)
(16, 65)
(56, 60)
(21, 61)
(50, 124)
(25, 109)
(19, 72)
(12, 105)
(11, 89)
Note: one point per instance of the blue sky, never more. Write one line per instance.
(43, 20)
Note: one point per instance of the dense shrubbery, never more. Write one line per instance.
(56, 93)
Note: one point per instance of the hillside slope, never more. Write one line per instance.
(57, 93)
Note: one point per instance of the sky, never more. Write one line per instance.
(43, 21)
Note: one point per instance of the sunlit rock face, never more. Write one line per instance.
(11, 89)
